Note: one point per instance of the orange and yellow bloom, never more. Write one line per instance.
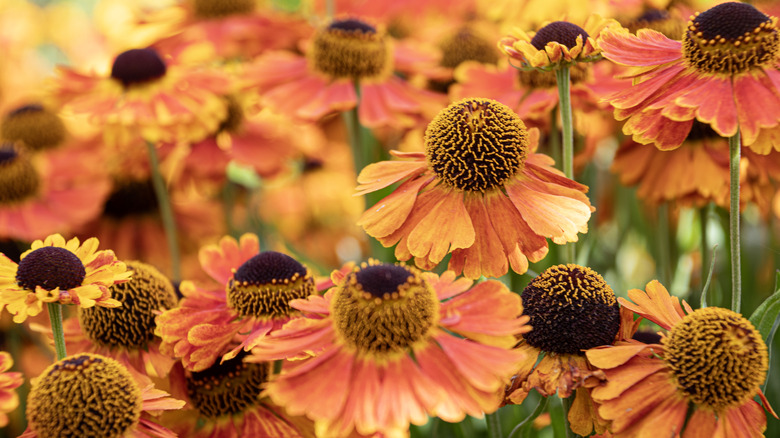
(378, 350)
(9, 381)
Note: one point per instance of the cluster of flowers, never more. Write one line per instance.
(290, 330)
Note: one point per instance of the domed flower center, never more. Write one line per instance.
(731, 38)
(476, 144)
(207, 9)
(561, 32)
(717, 358)
(227, 388)
(234, 118)
(466, 45)
(658, 20)
(384, 309)
(536, 79)
(702, 131)
(34, 126)
(264, 285)
(131, 325)
(350, 49)
(571, 309)
(50, 267)
(18, 178)
(131, 198)
(84, 395)
(137, 66)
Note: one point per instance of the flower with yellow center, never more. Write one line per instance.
(558, 43)
(345, 53)
(56, 271)
(160, 98)
(478, 191)
(9, 381)
(723, 73)
(35, 126)
(92, 395)
(51, 190)
(420, 343)
(571, 309)
(227, 399)
(126, 333)
(250, 301)
(701, 379)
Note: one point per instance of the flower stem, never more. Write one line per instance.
(567, 402)
(55, 316)
(166, 211)
(567, 130)
(493, 425)
(736, 271)
(664, 252)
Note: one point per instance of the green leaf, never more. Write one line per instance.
(765, 316)
(709, 278)
(243, 175)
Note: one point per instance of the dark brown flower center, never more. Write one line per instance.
(131, 325)
(137, 66)
(717, 357)
(659, 20)
(572, 309)
(476, 144)
(384, 309)
(18, 178)
(561, 32)
(731, 38)
(84, 395)
(227, 388)
(131, 198)
(467, 45)
(264, 285)
(234, 118)
(34, 126)
(222, 8)
(350, 48)
(50, 267)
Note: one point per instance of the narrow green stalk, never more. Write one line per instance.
(736, 271)
(664, 252)
(703, 221)
(166, 211)
(567, 131)
(362, 155)
(541, 407)
(493, 425)
(55, 316)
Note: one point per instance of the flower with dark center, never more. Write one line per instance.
(730, 50)
(33, 125)
(251, 301)
(702, 377)
(131, 198)
(555, 44)
(479, 158)
(350, 48)
(19, 180)
(571, 309)
(57, 271)
(92, 395)
(147, 94)
(215, 9)
(386, 327)
(467, 45)
(666, 22)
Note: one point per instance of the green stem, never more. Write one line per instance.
(703, 221)
(736, 272)
(664, 253)
(541, 407)
(493, 425)
(166, 211)
(567, 129)
(55, 316)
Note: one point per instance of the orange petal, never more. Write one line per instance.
(379, 175)
(626, 376)
(611, 356)
(390, 213)
(446, 227)
(647, 48)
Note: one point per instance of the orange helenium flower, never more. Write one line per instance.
(248, 302)
(724, 73)
(367, 375)
(55, 271)
(479, 191)
(9, 381)
(346, 52)
(711, 360)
